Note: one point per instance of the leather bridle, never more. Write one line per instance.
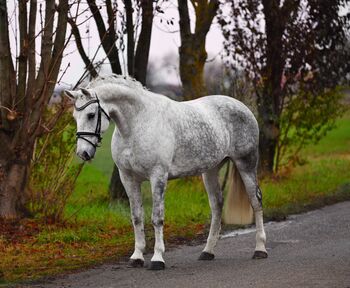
(97, 133)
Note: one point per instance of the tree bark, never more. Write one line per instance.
(269, 102)
(192, 60)
(14, 178)
(192, 50)
(116, 187)
(23, 100)
(107, 37)
(144, 42)
(88, 64)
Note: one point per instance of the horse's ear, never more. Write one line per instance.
(71, 94)
(86, 92)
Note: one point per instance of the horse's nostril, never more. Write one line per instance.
(86, 156)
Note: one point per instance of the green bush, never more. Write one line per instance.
(53, 171)
(306, 119)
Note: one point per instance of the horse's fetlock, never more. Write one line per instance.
(137, 221)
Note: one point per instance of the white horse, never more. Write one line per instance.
(157, 139)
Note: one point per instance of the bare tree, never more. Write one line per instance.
(192, 50)
(25, 90)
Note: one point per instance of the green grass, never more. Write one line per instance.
(96, 230)
(323, 179)
(337, 141)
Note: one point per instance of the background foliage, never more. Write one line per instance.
(53, 171)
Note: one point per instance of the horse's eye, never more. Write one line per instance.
(91, 116)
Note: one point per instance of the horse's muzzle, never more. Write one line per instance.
(85, 156)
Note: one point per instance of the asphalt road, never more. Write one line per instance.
(308, 250)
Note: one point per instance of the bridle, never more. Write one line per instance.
(97, 133)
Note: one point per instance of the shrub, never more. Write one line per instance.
(53, 170)
(305, 119)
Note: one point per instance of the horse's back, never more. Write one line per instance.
(234, 117)
(209, 129)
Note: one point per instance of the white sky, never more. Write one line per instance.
(165, 40)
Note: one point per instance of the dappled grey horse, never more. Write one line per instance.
(157, 139)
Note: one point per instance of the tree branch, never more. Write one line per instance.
(46, 46)
(88, 64)
(130, 35)
(144, 42)
(31, 52)
(7, 72)
(23, 55)
(111, 17)
(185, 23)
(107, 39)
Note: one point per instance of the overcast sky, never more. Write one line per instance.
(165, 40)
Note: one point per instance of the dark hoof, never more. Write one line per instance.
(157, 265)
(260, 255)
(206, 256)
(136, 263)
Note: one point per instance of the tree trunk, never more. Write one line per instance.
(192, 61)
(269, 103)
(192, 51)
(267, 144)
(269, 132)
(116, 188)
(14, 167)
(12, 198)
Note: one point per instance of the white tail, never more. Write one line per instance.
(237, 208)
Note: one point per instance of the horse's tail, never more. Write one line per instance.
(237, 207)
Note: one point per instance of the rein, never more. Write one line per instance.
(97, 133)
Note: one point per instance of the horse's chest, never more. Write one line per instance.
(132, 157)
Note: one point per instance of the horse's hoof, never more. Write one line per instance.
(157, 265)
(135, 263)
(260, 255)
(206, 256)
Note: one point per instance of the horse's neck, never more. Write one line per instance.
(122, 104)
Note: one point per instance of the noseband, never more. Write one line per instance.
(97, 133)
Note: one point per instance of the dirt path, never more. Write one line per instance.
(308, 250)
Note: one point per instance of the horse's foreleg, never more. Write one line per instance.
(211, 182)
(158, 184)
(133, 190)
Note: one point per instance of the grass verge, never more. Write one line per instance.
(96, 230)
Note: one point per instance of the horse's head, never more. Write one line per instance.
(92, 120)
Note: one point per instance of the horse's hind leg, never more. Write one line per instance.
(247, 167)
(133, 190)
(211, 182)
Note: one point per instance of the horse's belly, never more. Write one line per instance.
(192, 166)
(193, 171)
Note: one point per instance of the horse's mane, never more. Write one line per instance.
(127, 81)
